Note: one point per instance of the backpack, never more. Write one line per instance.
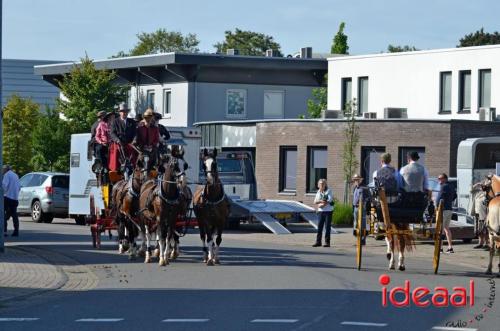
(386, 177)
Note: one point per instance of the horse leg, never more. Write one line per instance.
(156, 252)
(390, 248)
(401, 262)
(121, 235)
(218, 241)
(162, 233)
(203, 237)
(143, 247)
(210, 242)
(492, 252)
(147, 259)
(132, 253)
(175, 247)
(388, 252)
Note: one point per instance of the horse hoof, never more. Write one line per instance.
(147, 259)
(217, 261)
(162, 262)
(156, 253)
(210, 262)
(388, 255)
(402, 268)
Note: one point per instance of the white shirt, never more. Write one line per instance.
(322, 196)
(11, 185)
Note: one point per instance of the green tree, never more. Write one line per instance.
(398, 49)
(248, 43)
(339, 45)
(163, 41)
(87, 91)
(351, 140)
(479, 38)
(318, 102)
(51, 143)
(19, 120)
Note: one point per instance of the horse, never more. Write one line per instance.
(493, 221)
(160, 202)
(211, 207)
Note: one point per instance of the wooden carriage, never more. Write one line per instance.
(409, 208)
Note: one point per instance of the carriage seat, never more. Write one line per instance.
(408, 208)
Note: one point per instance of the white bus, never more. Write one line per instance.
(83, 183)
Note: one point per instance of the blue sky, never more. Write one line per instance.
(66, 29)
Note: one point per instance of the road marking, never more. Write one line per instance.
(186, 320)
(99, 320)
(379, 325)
(18, 319)
(276, 320)
(452, 328)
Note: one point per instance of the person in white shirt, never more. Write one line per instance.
(11, 188)
(323, 200)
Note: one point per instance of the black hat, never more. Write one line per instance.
(138, 117)
(414, 155)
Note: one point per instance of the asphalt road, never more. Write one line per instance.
(261, 285)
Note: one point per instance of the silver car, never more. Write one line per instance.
(44, 195)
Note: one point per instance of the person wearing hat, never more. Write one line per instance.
(93, 129)
(357, 197)
(103, 138)
(148, 135)
(414, 176)
(123, 131)
(11, 187)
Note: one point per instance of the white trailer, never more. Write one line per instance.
(83, 183)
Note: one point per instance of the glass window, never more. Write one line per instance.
(317, 158)
(370, 161)
(236, 101)
(75, 160)
(167, 95)
(464, 102)
(486, 156)
(24, 181)
(37, 180)
(150, 99)
(485, 88)
(274, 102)
(403, 155)
(362, 95)
(60, 181)
(445, 92)
(288, 168)
(346, 92)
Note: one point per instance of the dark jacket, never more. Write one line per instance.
(448, 195)
(121, 132)
(164, 132)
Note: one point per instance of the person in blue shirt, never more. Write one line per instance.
(323, 201)
(448, 194)
(357, 195)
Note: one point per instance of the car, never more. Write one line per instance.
(44, 195)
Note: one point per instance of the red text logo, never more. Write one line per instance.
(422, 296)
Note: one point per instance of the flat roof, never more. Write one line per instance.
(410, 53)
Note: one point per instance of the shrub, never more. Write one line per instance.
(342, 214)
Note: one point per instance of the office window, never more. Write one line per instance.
(362, 95)
(167, 95)
(236, 102)
(316, 166)
(346, 92)
(464, 89)
(485, 88)
(274, 102)
(403, 155)
(445, 92)
(288, 168)
(370, 161)
(150, 99)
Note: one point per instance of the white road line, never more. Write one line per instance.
(379, 325)
(99, 320)
(449, 328)
(276, 320)
(186, 320)
(18, 319)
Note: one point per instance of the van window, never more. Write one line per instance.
(60, 181)
(487, 155)
(228, 165)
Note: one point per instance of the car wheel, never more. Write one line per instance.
(47, 218)
(36, 212)
(80, 220)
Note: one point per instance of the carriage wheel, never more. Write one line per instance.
(437, 237)
(359, 234)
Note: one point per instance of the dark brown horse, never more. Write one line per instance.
(211, 207)
(493, 220)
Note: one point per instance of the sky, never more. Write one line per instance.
(68, 29)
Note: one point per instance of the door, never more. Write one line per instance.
(370, 161)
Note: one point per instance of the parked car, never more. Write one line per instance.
(44, 195)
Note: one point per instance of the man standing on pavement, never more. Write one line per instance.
(11, 188)
(448, 194)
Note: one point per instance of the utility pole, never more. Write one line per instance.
(2, 215)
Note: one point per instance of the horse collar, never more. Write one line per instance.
(131, 189)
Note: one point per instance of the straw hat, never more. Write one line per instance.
(148, 113)
(356, 177)
(101, 114)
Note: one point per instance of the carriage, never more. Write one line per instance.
(404, 209)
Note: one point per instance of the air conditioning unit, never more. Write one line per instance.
(395, 113)
(332, 114)
(487, 114)
(370, 115)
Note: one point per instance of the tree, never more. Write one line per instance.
(248, 43)
(479, 38)
(88, 91)
(318, 102)
(351, 135)
(51, 143)
(19, 119)
(398, 49)
(339, 45)
(163, 41)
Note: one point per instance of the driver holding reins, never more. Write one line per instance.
(148, 137)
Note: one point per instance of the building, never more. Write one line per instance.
(18, 78)
(455, 83)
(189, 88)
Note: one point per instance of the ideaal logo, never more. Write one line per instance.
(423, 296)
